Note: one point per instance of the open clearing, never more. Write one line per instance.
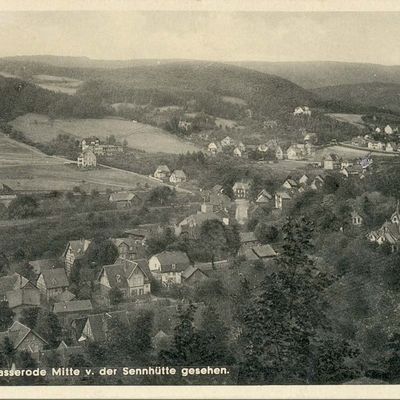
(354, 119)
(25, 168)
(40, 128)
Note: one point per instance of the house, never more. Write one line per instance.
(75, 250)
(227, 142)
(217, 189)
(389, 232)
(388, 130)
(375, 145)
(241, 189)
(193, 275)
(237, 152)
(87, 159)
(212, 148)
(73, 308)
(162, 172)
(391, 146)
(304, 110)
(128, 248)
(123, 199)
(296, 152)
(20, 299)
(168, 266)
(304, 179)
(13, 282)
(66, 295)
(178, 176)
(190, 226)
(359, 141)
(184, 125)
(52, 282)
(7, 195)
(356, 218)
(353, 170)
(132, 278)
(264, 251)
(43, 264)
(263, 197)
(281, 198)
(247, 240)
(290, 184)
(331, 161)
(24, 338)
(219, 201)
(241, 146)
(143, 232)
(96, 327)
(317, 183)
(64, 352)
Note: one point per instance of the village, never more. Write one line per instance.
(85, 298)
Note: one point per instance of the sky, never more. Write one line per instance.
(219, 36)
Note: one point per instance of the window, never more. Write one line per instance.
(173, 267)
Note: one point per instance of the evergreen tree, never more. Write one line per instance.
(8, 351)
(29, 317)
(6, 316)
(282, 319)
(48, 326)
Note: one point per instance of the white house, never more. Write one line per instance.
(178, 176)
(87, 159)
(167, 267)
(237, 152)
(388, 130)
(212, 148)
(162, 172)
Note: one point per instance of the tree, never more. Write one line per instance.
(213, 238)
(183, 350)
(27, 271)
(22, 207)
(29, 317)
(7, 349)
(77, 361)
(266, 233)
(6, 316)
(48, 326)
(213, 345)
(161, 195)
(282, 320)
(102, 252)
(4, 264)
(115, 295)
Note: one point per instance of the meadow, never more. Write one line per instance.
(25, 168)
(40, 128)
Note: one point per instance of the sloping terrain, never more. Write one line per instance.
(385, 96)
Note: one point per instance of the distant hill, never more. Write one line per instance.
(85, 62)
(178, 82)
(326, 73)
(385, 96)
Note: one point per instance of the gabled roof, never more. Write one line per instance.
(190, 270)
(99, 323)
(131, 265)
(169, 258)
(332, 157)
(122, 196)
(246, 237)
(55, 278)
(219, 199)
(66, 295)
(24, 297)
(241, 185)
(18, 332)
(4, 189)
(162, 168)
(291, 182)
(130, 242)
(72, 306)
(45, 263)
(264, 251)
(355, 214)
(179, 173)
(12, 282)
(78, 247)
(116, 275)
(284, 195)
(198, 218)
(263, 197)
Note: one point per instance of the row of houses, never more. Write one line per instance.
(164, 173)
(376, 145)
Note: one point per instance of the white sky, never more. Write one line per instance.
(230, 36)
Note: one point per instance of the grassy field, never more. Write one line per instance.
(25, 168)
(40, 128)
